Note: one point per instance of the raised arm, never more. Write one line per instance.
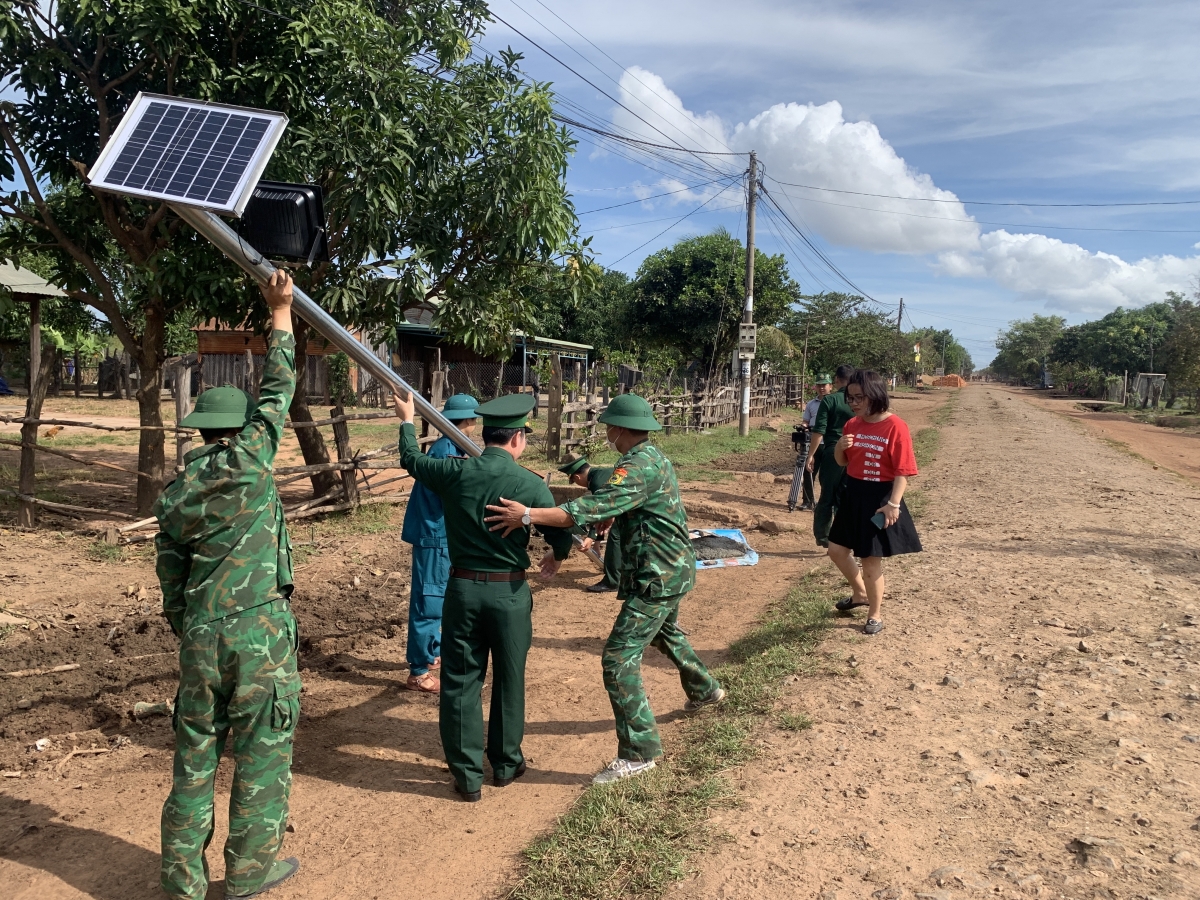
(435, 474)
(264, 431)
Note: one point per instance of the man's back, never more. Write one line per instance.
(466, 487)
(223, 546)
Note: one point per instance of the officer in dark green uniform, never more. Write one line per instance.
(832, 416)
(488, 605)
(585, 475)
(659, 570)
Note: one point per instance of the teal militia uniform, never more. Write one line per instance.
(483, 616)
(224, 563)
(658, 567)
(832, 416)
(425, 528)
(597, 478)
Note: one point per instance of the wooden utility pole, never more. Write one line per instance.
(746, 333)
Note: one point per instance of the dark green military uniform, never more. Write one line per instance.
(658, 569)
(832, 416)
(225, 566)
(482, 617)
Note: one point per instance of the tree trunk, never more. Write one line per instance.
(312, 443)
(27, 514)
(151, 452)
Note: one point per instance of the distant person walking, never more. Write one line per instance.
(823, 385)
(832, 413)
(872, 521)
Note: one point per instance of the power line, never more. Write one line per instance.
(624, 71)
(896, 212)
(690, 187)
(812, 187)
(591, 83)
(629, 140)
(662, 219)
(672, 225)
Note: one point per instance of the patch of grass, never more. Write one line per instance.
(795, 722)
(925, 445)
(99, 551)
(363, 520)
(634, 838)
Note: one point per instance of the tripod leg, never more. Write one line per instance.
(797, 482)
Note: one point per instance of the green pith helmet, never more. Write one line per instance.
(509, 411)
(824, 378)
(573, 466)
(459, 407)
(220, 408)
(630, 411)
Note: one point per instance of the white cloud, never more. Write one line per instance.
(815, 145)
(1069, 277)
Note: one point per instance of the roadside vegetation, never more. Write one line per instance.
(637, 837)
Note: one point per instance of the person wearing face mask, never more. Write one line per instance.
(658, 569)
(872, 521)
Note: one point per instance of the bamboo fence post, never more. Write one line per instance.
(183, 406)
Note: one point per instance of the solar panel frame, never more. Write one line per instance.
(194, 152)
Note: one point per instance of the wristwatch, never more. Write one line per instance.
(525, 520)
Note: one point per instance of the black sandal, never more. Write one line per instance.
(848, 604)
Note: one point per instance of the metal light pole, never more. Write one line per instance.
(746, 340)
(260, 269)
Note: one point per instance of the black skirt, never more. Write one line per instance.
(853, 528)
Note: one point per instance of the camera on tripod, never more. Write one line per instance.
(799, 436)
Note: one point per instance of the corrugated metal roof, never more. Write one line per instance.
(22, 281)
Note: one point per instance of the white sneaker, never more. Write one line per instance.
(715, 697)
(622, 768)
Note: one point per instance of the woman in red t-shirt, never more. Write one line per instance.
(872, 521)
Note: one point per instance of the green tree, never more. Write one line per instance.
(1024, 348)
(940, 349)
(688, 298)
(1122, 341)
(442, 176)
(844, 329)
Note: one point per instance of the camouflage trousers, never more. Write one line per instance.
(644, 622)
(237, 679)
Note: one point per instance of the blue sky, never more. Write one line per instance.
(1004, 102)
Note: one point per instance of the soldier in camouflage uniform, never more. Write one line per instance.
(584, 475)
(225, 566)
(658, 569)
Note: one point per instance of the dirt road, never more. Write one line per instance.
(373, 814)
(1028, 723)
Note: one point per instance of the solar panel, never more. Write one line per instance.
(188, 151)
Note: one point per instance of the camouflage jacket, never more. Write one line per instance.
(223, 546)
(643, 493)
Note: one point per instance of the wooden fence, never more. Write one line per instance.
(574, 404)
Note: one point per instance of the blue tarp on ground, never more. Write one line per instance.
(749, 559)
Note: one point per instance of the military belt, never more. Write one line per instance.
(487, 576)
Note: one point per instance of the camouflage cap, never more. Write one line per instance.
(630, 411)
(824, 378)
(223, 407)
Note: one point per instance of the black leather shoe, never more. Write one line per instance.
(505, 782)
(600, 587)
(468, 796)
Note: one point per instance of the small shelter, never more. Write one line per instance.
(26, 287)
